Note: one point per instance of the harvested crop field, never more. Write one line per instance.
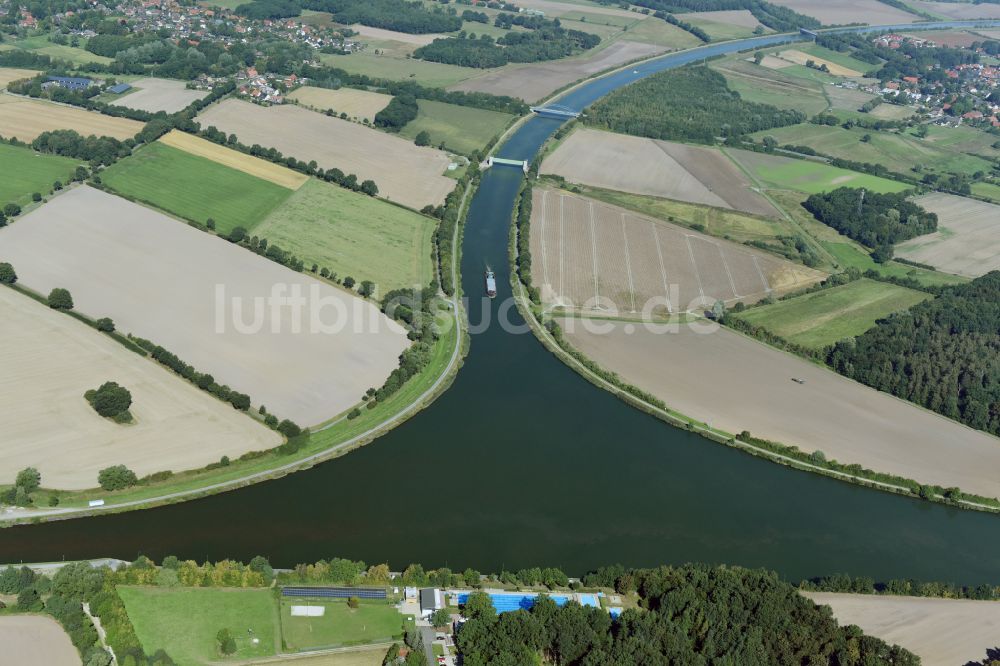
(360, 104)
(666, 169)
(234, 159)
(967, 241)
(538, 80)
(738, 17)
(50, 360)
(394, 36)
(154, 95)
(953, 38)
(735, 383)
(942, 632)
(597, 257)
(405, 173)
(8, 74)
(960, 11)
(25, 119)
(823, 317)
(808, 176)
(845, 12)
(161, 280)
(36, 639)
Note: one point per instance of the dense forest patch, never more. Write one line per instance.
(943, 354)
(399, 15)
(686, 104)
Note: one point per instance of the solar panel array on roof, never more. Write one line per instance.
(335, 592)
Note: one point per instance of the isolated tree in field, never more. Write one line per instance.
(11, 210)
(36, 196)
(237, 234)
(422, 139)
(225, 641)
(369, 187)
(28, 478)
(105, 325)
(367, 288)
(353, 602)
(110, 400)
(758, 57)
(60, 299)
(116, 477)
(210, 223)
(289, 429)
(7, 274)
(349, 282)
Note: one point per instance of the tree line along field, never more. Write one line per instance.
(194, 187)
(161, 280)
(600, 258)
(462, 129)
(26, 172)
(50, 360)
(255, 166)
(405, 173)
(25, 119)
(820, 318)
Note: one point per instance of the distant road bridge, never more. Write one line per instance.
(555, 111)
(808, 33)
(491, 161)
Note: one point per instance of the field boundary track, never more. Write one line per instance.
(440, 383)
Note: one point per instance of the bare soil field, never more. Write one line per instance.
(844, 12)
(953, 38)
(8, 74)
(50, 360)
(36, 639)
(602, 258)
(154, 95)
(660, 168)
(392, 35)
(959, 11)
(738, 17)
(25, 119)
(234, 159)
(404, 173)
(536, 81)
(967, 241)
(942, 632)
(735, 383)
(360, 104)
(219, 307)
(799, 58)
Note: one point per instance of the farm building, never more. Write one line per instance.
(119, 88)
(68, 82)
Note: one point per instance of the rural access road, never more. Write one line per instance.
(19, 514)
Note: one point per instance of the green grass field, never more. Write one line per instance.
(813, 177)
(194, 188)
(987, 191)
(339, 625)
(462, 129)
(25, 172)
(353, 234)
(836, 57)
(432, 74)
(769, 86)
(821, 318)
(184, 621)
(77, 55)
(716, 30)
(897, 152)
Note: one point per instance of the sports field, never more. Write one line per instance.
(339, 624)
(967, 241)
(595, 257)
(25, 119)
(353, 234)
(50, 360)
(461, 129)
(35, 639)
(185, 620)
(942, 632)
(357, 104)
(404, 173)
(8, 74)
(695, 174)
(153, 94)
(25, 172)
(897, 152)
(255, 166)
(219, 307)
(808, 176)
(735, 383)
(823, 317)
(194, 187)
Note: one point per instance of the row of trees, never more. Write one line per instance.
(694, 614)
(398, 15)
(397, 113)
(776, 17)
(687, 104)
(549, 42)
